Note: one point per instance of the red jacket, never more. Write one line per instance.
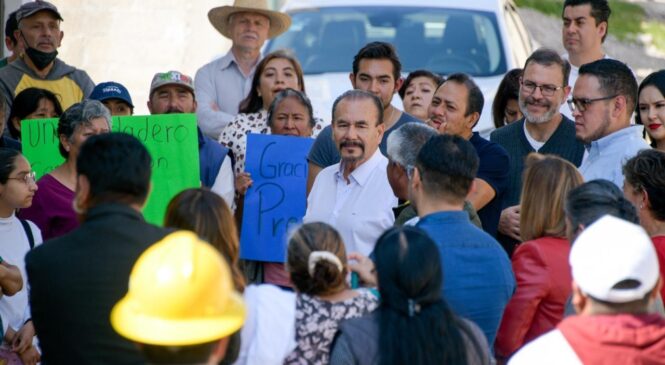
(624, 339)
(543, 280)
(659, 244)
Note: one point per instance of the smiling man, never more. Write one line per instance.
(223, 83)
(455, 110)
(354, 196)
(39, 35)
(377, 70)
(603, 100)
(585, 25)
(543, 89)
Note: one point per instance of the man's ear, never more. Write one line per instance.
(82, 194)
(602, 29)
(398, 84)
(580, 301)
(352, 78)
(472, 120)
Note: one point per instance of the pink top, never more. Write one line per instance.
(51, 208)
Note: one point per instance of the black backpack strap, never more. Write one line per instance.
(28, 232)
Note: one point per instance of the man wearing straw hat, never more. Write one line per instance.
(223, 83)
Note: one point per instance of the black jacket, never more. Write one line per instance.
(76, 279)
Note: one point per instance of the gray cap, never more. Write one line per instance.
(28, 9)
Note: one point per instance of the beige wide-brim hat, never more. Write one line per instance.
(219, 16)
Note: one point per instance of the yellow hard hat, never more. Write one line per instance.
(180, 293)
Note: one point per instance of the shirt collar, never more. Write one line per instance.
(227, 60)
(363, 172)
(616, 137)
(446, 216)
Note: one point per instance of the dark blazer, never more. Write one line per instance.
(76, 279)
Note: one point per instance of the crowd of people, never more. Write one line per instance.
(422, 241)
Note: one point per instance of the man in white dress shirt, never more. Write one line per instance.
(354, 195)
(223, 83)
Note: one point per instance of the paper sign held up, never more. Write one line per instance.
(171, 139)
(277, 199)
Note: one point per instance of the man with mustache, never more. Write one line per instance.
(223, 83)
(39, 35)
(543, 89)
(173, 93)
(585, 24)
(376, 69)
(354, 195)
(455, 110)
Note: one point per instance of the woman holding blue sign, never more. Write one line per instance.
(290, 114)
(276, 72)
(53, 206)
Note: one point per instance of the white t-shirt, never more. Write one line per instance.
(14, 245)
(534, 143)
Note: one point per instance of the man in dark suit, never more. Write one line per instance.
(76, 279)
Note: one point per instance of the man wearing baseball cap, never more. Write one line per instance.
(222, 84)
(172, 92)
(615, 280)
(39, 35)
(181, 306)
(115, 97)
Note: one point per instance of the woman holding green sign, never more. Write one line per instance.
(32, 103)
(53, 208)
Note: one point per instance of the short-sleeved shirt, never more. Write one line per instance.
(324, 152)
(494, 169)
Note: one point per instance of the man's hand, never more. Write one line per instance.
(23, 338)
(364, 267)
(509, 223)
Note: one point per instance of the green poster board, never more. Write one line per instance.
(171, 139)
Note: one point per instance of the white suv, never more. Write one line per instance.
(484, 38)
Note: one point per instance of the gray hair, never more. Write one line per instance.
(80, 114)
(291, 93)
(356, 94)
(406, 141)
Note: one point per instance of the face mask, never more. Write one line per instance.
(39, 58)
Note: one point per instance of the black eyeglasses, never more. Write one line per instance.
(582, 104)
(28, 178)
(547, 90)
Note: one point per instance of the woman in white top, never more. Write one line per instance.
(17, 188)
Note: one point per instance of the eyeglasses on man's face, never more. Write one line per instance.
(581, 104)
(530, 87)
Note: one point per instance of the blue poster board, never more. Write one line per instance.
(277, 199)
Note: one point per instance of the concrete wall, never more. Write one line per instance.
(128, 41)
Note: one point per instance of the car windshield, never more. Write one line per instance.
(437, 39)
